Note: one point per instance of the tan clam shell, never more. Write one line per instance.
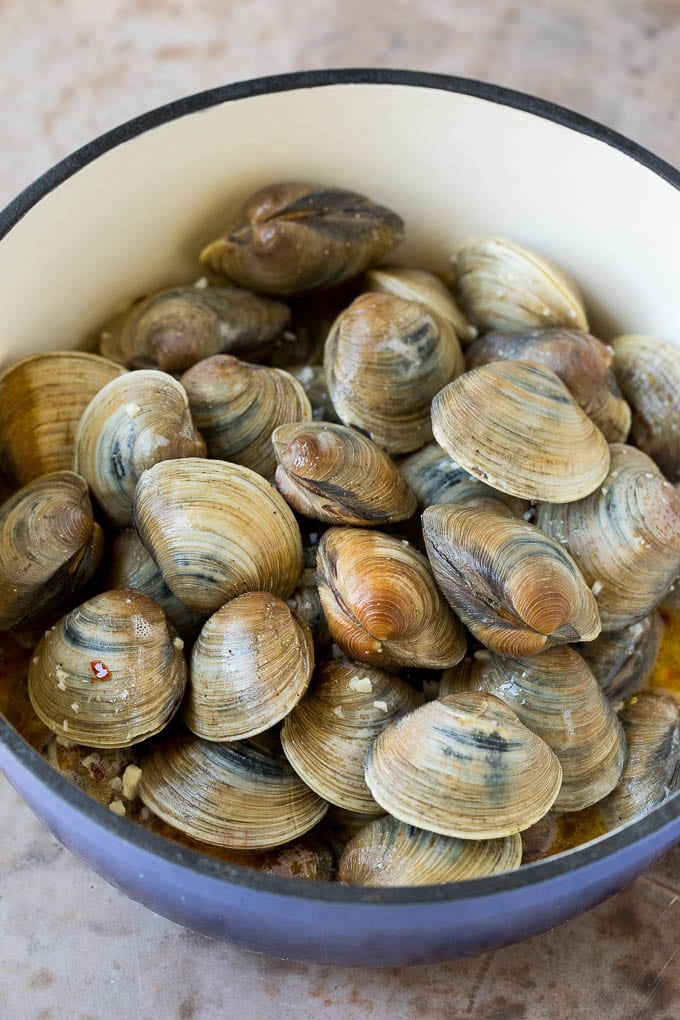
(41, 400)
(557, 697)
(173, 329)
(623, 660)
(217, 530)
(110, 673)
(250, 666)
(463, 766)
(388, 852)
(337, 475)
(326, 737)
(134, 422)
(503, 285)
(517, 590)
(236, 407)
(515, 426)
(50, 546)
(381, 602)
(424, 287)
(385, 359)
(625, 537)
(242, 795)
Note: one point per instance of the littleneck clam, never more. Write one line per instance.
(622, 660)
(381, 602)
(583, 363)
(50, 546)
(337, 475)
(387, 852)
(41, 400)
(110, 673)
(505, 286)
(175, 328)
(291, 238)
(236, 407)
(327, 735)
(515, 426)
(216, 530)
(648, 372)
(424, 287)
(557, 697)
(134, 421)
(625, 537)
(517, 590)
(385, 360)
(250, 666)
(463, 766)
(242, 794)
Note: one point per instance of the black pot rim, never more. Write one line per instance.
(571, 862)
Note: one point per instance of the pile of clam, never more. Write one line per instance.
(335, 568)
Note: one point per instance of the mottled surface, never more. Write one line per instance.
(69, 944)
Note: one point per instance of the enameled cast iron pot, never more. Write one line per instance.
(129, 212)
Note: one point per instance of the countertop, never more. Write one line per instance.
(70, 945)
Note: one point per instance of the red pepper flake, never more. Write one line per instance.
(100, 671)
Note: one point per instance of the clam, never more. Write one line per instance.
(337, 475)
(216, 530)
(557, 697)
(625, 537)
(623, 660)
(312, 378)
(515, 426)
(463, 766)
(583, 363)
(517, 590)
(424, 287)
(382, 604)
(385, 360)
(326, 737)
(175, 328)
(50, 546)
(250, 666)
(648, 372)
(243, 794)
(505, 286)
(291, 238)
(134, 421)
(236, 406)
(387, 852)
(110, 673)
(41, 400)
(651, 722)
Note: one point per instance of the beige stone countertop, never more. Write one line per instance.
(71, 946)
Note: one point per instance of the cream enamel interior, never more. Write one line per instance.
(450, 164)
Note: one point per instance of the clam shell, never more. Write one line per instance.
(515, 426)
(382, 604)
(623, 660)
(424, 287)
(388, 852)
(517, 590)
(216, 530)
(327, 735)
(463, 766)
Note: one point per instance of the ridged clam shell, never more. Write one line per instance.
(291, 238)
(41, 400)
(110, 673)
(622, 660)
(236, 407)
(463, 766)
(134, 422)
(175, 328)
(327, 735)
(517, 590)
(337, 475)
(216, 530)
(381, 602)
(250, 666)
(515, 426)
(242, 795)
(506, 286)
(625, 537)
(424, 287)
(385, 359)
(557, 697)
